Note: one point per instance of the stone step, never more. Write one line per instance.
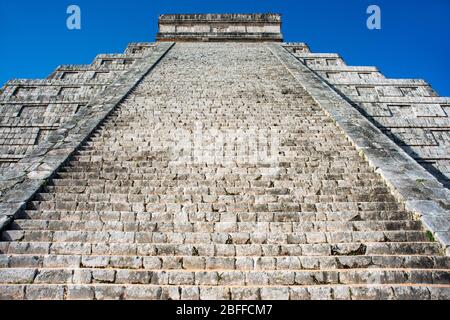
(227, 196)
(141, 206)
(126, 217)
(298, 168)
(290, 144)
(279, 175)
(85, 248)
(248, 120)
(257, 187)
(294, 150)
(156, 292)
(248, 263)
(103, 147)
(290, 162)
(254, 186)
(219, 223)
(210, 192)
(182, 225)
(257, 182)
(224, 188)
(106, 149)
(298, 147)
(223, 278)
(248, 181)
(86, 235)
(239, 120)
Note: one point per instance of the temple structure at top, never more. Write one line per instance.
(221, 163)
(220, 27)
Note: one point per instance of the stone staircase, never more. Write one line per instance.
(139, 213)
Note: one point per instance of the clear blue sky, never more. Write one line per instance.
(414, 41)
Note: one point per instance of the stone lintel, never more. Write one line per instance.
(220, 27)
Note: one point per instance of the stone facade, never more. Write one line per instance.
(151, 191)
(220, 27)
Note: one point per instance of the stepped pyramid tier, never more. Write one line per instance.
(408, 111)
(222, 170)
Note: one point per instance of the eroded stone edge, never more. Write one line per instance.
(31, 173)
(410, 183)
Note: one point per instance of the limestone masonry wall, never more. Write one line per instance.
(408, 111)
(220, 27)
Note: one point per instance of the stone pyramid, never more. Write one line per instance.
(222, 163)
